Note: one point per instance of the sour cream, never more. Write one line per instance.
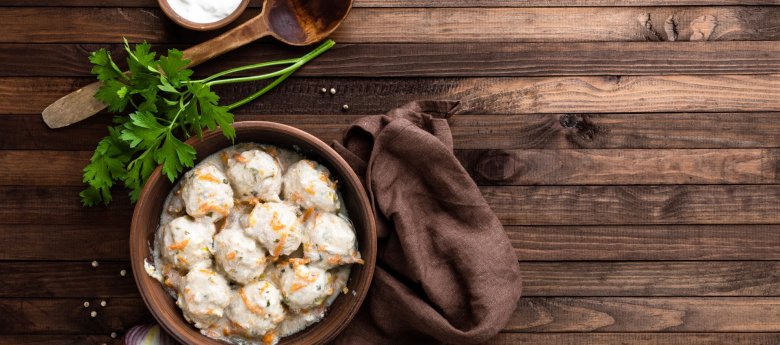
(204, 11)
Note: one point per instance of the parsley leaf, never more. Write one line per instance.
(165, 107)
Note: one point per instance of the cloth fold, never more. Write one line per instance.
(446, 271)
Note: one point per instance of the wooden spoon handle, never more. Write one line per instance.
(81, 104)
(243, 34)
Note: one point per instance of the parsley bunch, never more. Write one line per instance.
(166, 107)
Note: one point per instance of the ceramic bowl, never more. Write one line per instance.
(178, 19)
(146, 219)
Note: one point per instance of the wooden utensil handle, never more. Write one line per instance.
(247, 32)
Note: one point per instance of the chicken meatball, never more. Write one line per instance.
(254, 175)
(187, 242)
(308, 185)
(207, 193)
(304, 286)
(256, 308)
(276, 226)
(330, 241)
(204, 296)
(238, 255)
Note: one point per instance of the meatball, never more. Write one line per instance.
(308, 185)
(204, 296)
(330, 241)
(276, 226)
(238, 255)
(207, 192)
(256, 308)
(255, 175)
(305, 286)
(187, 242)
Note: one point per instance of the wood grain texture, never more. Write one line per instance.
(68, 316)
(646, 242)
(531, 243)
(635, 338)
(71, 339)
(628, 205)
(514, 205)
(533, 131)
(422, 25)
(679, 279)
(498, 167)
(88, 241)
(59, 206)
(443, 59)
(616, 314)
(615, 166)
(540, 279)
(66, 279)
(633, 94)
(419, 3)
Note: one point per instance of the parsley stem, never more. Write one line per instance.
(287, 72)
(298, 63)
(261, 92)
(245, 68)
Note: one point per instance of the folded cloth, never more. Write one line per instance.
(446, 271)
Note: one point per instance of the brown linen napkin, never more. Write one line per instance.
(446, 271)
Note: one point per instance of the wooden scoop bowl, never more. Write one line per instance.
(295, 22)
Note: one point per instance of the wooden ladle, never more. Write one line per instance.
(295, 22)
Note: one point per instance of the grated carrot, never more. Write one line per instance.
(179, 245)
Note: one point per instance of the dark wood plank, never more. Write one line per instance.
(531, 3)
(626, 205)
(633, 94)
(514, 205)
(591, 167)
(443, 59)
(615, 314)
(421, 25)
(91, 241)
(67, 279)
(70, 339)
(419, 3)
(540, 279)
(61, 316)
(59, 206)
(498, 167)
(534, 314)
(678, 279)
(634, 338)
(662, 242)
(536, 131)
(88, 241)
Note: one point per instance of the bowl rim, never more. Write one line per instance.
(179, 19)
(145, 283)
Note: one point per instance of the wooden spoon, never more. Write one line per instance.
(295, 22)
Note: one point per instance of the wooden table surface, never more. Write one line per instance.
(637, 177)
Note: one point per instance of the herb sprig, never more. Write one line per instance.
(166, 107)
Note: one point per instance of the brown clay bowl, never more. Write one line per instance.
(178, 19)
(146, 218)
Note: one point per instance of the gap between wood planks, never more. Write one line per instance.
(422, 25)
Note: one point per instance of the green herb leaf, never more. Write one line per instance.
(166, 107)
